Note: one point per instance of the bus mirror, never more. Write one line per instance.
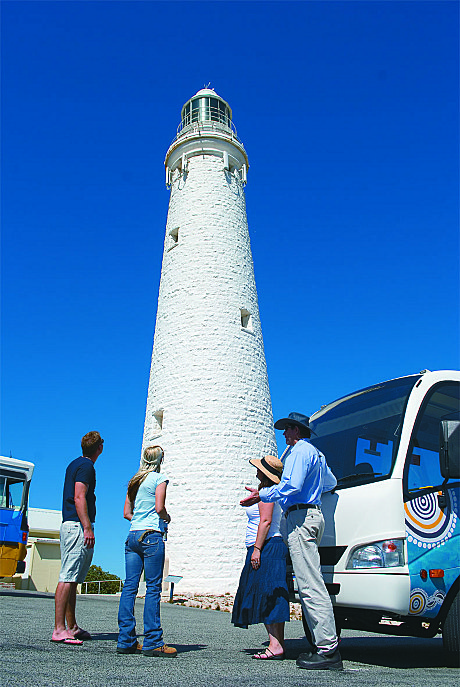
(449, 453)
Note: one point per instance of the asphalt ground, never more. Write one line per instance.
(211, 652)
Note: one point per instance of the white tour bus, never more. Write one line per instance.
(390, 552)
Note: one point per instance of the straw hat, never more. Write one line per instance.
(270, 466)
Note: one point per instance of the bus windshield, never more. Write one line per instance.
(359, 434)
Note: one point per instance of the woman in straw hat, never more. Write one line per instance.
(262, 595)
(145, 550)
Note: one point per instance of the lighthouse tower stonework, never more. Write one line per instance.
(208, 401)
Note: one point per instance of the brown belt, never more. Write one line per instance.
(301, 506)
(144, 534)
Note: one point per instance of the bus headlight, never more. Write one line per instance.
(379, 554)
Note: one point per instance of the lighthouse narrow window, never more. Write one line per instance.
(246, 320)
(173, 238)
(158, 421)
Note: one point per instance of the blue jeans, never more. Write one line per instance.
(149, 555)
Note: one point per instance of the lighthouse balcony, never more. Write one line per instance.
(214, 127)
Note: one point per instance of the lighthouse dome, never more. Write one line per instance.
(204, 108)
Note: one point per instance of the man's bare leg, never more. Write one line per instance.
(65, 592)
(72, 626)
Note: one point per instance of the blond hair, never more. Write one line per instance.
(150, 462)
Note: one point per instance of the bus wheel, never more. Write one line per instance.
(451, 632)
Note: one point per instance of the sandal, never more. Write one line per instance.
(268, 655)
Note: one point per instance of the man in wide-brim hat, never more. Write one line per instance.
(305, 477)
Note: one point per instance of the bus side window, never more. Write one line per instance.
(423, 469)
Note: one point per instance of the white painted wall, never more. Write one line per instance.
(208, 373)
(43, 558)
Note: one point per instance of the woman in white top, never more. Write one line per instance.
(145, 550)
(262, 595)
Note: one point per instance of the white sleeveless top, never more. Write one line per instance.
(253, 514)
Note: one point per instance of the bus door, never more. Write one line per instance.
(431, 506)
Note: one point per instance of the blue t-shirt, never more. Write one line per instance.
(305, 477)
(80, 470)
(145, 516)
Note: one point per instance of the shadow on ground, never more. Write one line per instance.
(292, 648)
(113, 636)
(387, 652)
(394, 652)
(103, 636)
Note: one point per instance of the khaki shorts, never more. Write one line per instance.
(75, 556)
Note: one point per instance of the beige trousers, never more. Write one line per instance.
(304, 529)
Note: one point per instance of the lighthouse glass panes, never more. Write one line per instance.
(205, 109)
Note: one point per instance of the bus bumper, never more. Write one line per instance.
(385, 592)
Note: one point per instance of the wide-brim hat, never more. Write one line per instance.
(270, 466)
(296, 419)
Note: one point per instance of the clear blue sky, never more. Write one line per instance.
(349, 114)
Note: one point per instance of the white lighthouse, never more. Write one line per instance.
(208, 401)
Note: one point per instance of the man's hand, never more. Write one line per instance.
(82, 511)
(252, 499)
(89, 537)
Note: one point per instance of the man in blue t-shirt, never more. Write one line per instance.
(76, 538)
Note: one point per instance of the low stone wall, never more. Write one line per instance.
(222, 602)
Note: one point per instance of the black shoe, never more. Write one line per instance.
(134, 649)
(311, 661)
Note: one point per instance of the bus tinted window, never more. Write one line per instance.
(359, 434)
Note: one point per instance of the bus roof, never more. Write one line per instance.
(430, 375)
(15, 464)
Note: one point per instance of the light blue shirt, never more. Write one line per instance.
(305, 477)
(145, 516)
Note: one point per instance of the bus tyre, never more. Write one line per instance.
(451, 632)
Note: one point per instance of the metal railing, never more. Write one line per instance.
(196, 127)
(119, 583)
